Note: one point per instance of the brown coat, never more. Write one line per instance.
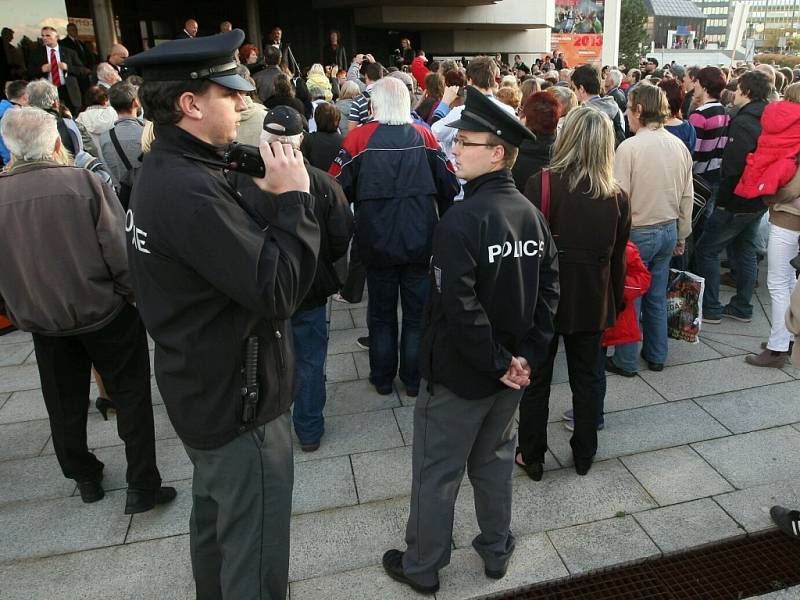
(63, 258)
(591, 235)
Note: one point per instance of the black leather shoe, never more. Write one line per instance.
(534, 470)
(612, 368)
(498, 574)
(143, 500)
(582, 466)
(91, 491)
(393, 565)
(310, 447)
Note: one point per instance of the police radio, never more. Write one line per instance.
(238, 157)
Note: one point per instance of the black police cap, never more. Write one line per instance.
(211, 57)
(482, 114)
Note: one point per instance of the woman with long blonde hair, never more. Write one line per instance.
(590, 220)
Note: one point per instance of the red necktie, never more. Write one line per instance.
(55, 74)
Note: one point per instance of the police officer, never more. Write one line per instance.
(489, 319)
(215, 288)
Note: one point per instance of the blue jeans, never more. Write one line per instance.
(740, 230)
(656, 244)
(310, 333)
(383, 284)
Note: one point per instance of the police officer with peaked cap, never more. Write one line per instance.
(488, 321)
(215, 288)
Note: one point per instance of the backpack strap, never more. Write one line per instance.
(118, 147)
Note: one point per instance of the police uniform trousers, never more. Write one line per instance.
(119, 353)
(242, 501)
(451, 433)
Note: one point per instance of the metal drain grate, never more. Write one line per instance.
(741, 568)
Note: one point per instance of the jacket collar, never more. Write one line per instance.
(172, 138)
(23, 166)
(754, 107)
(495, 178)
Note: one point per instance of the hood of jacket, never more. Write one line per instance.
(253, 110)
(780, 116)
(606, 104)
(97, 119)
(538, 148)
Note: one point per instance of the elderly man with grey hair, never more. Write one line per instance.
(107, 75)
(611, 87)
(44, 95)
(400, 182)
(70, 287)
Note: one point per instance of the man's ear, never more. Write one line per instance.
(498, 154)
(188, 105)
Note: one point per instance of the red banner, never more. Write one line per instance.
(578, 48)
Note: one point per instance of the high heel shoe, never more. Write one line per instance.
(103, 405)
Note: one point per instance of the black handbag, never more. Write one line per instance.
(702, 194)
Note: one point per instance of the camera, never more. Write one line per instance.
(244, 159)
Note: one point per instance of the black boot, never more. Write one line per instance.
(143, 500)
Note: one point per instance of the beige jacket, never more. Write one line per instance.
(252, 123)
(654, 168)
(784, 205)
(63, 256)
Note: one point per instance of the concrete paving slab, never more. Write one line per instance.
(33, 479)
(792, 593)
(750, 459)
(16, 337)
(359, 316)
(341, 319)
(756, 408)
(3, 399)
(23, 406)
(679, 353)
(750, 507)
(534, 560)
(345, 340)
(758, 326)
(101, 434)
(383, 474)
(352, 397)
(323, 484)
(602, 544)
(369, 583)
(348, 306)
(14, 354)
(155, 392)
(733, 345)
(361, 358)
(710, 377)
(340, 367)
(155, 569)
(343, 539)
(561, 499)
(164, 520)
(173, 463)
(405, 419)
(641, 430)
(675, 475)
(18, 378)
(684, 526)
(21, 440)
(71, 526)
(622, 393)
(349, 434)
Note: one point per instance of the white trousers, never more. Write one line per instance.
(781, 279)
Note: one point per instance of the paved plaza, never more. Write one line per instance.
(689, 456)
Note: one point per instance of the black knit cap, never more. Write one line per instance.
(211, 58)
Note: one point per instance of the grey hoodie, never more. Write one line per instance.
(607, 105)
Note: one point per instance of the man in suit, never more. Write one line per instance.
(74, 43)
(60, 66)
(189, 30)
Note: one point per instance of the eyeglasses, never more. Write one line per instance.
(460, 142)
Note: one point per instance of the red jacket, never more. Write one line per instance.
(773, 163)
(419, 70)
(637, 282)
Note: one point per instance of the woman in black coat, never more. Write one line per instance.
(540, 114)
(322, 146)
(590, 219)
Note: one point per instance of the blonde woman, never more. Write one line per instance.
(655, 169)
(317, 77)
(590, 219)
(348, 91)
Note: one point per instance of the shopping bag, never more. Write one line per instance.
(685, 305)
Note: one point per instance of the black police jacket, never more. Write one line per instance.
(335, 221)
(494, 289)
(206, 276)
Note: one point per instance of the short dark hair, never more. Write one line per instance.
(755, 85)
(542, 112)
(327, 117)
(282, 85)
(711, 80)
(95, 95)
(272, 56)
(587, 77)
(373, 71)
(160, 98)
(122, 95)
(692, 72)
(675, 95)
(15, 89)
(652, 60)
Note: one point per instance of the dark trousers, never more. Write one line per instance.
(310, 331)
(353, 287)
(241, 504)
(412, 283)
(583, 350)
(118, 352)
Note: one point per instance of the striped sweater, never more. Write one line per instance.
(710, 121)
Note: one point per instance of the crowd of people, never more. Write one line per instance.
(506, 208)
